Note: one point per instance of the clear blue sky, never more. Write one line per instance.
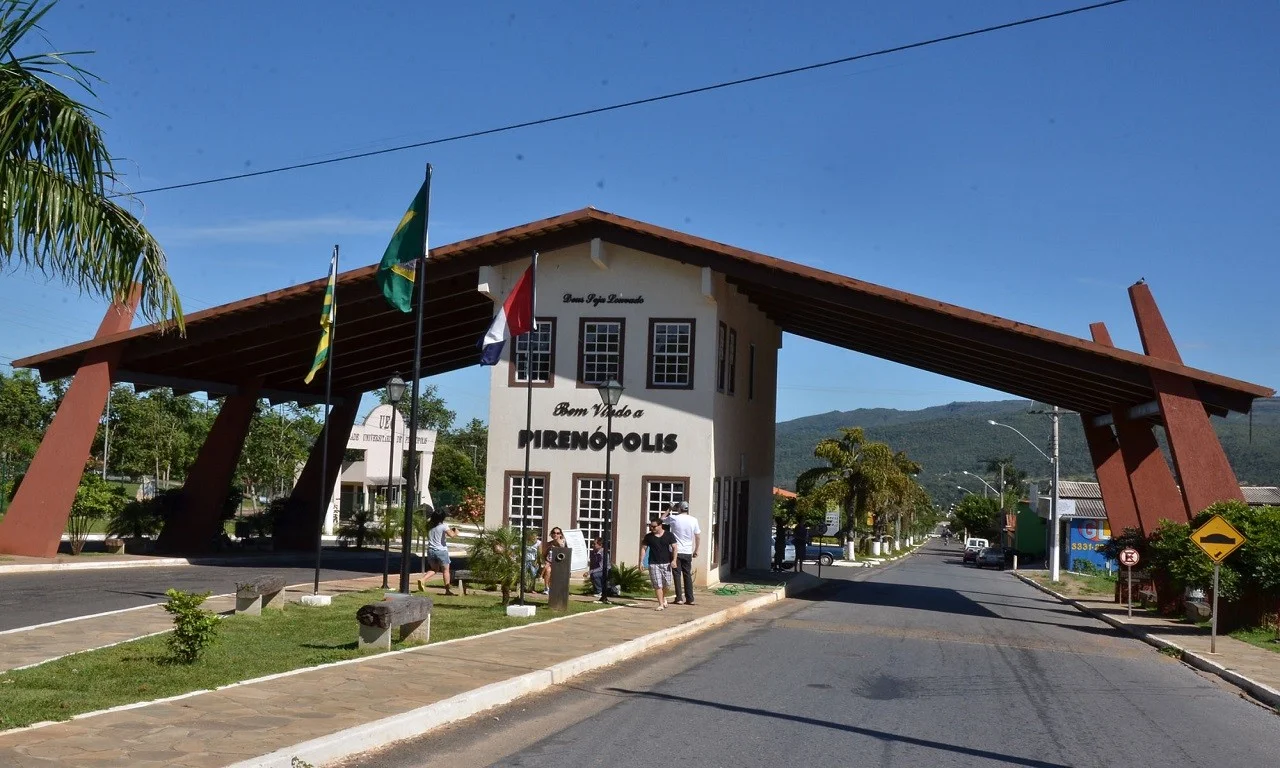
(1032, 173)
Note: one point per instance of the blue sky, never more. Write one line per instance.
(1033, 173)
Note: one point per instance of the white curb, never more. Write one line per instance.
(380, 733)
(1263, 693)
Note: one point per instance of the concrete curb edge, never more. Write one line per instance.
(1263, 693)
(417, 722)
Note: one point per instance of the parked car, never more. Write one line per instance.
(990, 556)
(827, 553)
(972, 547)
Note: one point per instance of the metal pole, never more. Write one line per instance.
(391, 462)
(1054, 564)
(1213, 622)
(608, 495)
(1129, 568)
(411, 481)
(528, 428)
(325, 491)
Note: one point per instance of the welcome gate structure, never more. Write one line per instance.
(261, 347)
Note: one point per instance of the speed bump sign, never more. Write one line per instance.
(1217, 538)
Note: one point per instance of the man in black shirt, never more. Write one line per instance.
(660, 544)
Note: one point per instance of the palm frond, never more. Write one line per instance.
(64, 230)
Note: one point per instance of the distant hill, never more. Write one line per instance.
(955, 437)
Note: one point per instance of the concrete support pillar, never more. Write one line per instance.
(1152, 489)
(298, 527)
(1113, 479)
(1202, 465)
(195, 526)
(35, 521)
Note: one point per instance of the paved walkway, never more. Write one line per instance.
(1256, 664)
(245, 721)
(24, 647)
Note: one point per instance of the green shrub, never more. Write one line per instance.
(494, 558)
(628, 578)
(95, 499)
(193, 627)
(136, 519)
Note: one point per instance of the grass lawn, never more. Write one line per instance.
(1262, 637)
(1078, 585)
(246, 647)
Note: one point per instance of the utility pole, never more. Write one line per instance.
(1054, 555)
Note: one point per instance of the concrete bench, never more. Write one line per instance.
(254, 595)
(460, 578)
(410, 613)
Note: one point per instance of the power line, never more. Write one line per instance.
(633, 103)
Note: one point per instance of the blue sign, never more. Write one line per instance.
(1083, 539)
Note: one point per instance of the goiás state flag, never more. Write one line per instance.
(514, 317)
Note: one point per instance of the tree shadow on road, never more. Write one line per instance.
(871, 732)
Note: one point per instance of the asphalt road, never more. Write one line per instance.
(35, 598)
(925, 663)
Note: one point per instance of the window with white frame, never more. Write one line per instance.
(600, 351)
(534, 351)
(659, 495)
(516, 501)
(671, 354)
(591, 502)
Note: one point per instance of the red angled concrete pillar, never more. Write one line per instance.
(1108, 463)
(1153, 492)
(38, 515)
(195, 526)
(1202, 465)
(301, 523)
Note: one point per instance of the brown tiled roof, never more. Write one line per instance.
(272, 337)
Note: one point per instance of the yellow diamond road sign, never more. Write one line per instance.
(1217, 538)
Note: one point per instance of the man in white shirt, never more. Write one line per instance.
(688, 537)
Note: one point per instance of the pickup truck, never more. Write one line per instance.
(826, 553)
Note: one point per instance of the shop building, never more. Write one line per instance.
(695, 422)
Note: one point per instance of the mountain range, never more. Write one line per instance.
(947, 439)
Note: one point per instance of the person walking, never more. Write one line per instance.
(801, 542)
(660, 546)
(688, 533)
(438, 550)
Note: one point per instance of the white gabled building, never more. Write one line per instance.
(695, 422)
(363, 482)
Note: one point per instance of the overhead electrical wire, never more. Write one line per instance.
(632, 103)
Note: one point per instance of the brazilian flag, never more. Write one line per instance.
(408, 244)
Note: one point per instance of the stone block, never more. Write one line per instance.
(378, 638)
(1198, 612)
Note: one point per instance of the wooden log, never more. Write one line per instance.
(395, 613)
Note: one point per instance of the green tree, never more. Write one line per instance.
(156, 434)
(96, 499)
(432, 411)
(277, 445)
(473, 440)
(978, 516)
(849, 480)
(24, 415)
(57, 178)
(452, 475)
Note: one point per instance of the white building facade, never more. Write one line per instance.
(362, 484)
(695, 422)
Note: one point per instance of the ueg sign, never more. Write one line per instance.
(596, 439)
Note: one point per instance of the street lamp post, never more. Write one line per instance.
(610, 393)
(1054, 559)
(984, 482)
(395, 391)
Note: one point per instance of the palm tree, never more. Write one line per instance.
(852, 477)
(57, 180)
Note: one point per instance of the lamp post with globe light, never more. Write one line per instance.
(395, 391)
(610, 393)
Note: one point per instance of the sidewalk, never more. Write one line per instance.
(1247, 666)
(325, 713)
(90, 561)
(23, 647)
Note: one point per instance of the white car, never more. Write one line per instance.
(972, 547)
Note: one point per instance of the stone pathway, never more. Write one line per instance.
(237, 723)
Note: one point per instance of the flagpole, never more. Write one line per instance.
(326, 491)
(528, 420)
(411, 482)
